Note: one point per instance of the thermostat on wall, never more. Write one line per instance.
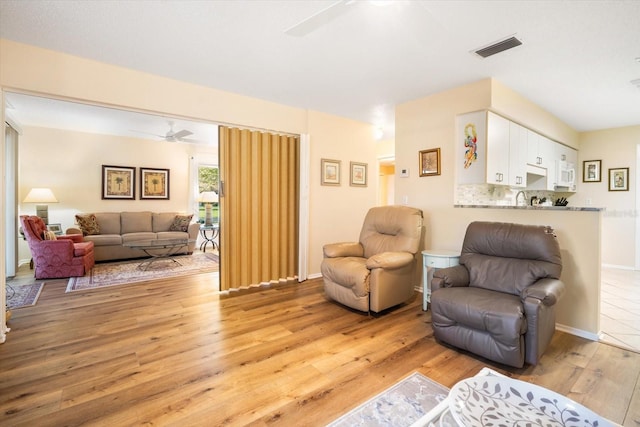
(404, 173)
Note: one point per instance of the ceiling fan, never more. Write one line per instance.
(172, 136)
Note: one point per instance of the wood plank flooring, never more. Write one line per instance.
(174, 352)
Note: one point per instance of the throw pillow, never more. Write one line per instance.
(181, 223)
(50, 235)
(88, 224)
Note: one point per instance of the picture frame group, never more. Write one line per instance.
(331, 171)
(119, 183)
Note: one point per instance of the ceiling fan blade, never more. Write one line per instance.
(181, 134)
(319, 19)
(147, 133)
(192, 141)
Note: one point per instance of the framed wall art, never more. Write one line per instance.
(330, 172)
(429, 162)
(619, 179)
(154, 184)
(591, 171)
(118, 182)
(358, 177)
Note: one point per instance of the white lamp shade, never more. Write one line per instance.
(208, 197)
(40, 195)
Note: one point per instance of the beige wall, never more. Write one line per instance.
(430, 123)
(337, 212)
(617, 148)
(339, 209)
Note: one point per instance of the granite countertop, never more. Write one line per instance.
(535, 208)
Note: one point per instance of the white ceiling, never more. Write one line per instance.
(577, 60)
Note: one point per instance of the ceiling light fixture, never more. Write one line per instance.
(497, 47)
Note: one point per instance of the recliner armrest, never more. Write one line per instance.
(390, 260)
(549, 291)
(334, 250)
(457, 276)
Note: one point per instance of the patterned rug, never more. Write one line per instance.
(19, 296)
(402, 404)
(120, 273)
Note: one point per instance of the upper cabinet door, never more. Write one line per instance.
(518, 147)
(497, 149)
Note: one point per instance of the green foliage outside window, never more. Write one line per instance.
(208, 179)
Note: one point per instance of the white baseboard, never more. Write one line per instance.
(314, 276)
(619, 267)
(578, 332)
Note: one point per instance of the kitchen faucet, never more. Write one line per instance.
(524, 197)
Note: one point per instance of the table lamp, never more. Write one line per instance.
(208, 197)
(40, 196)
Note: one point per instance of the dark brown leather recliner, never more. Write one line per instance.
(500, 301)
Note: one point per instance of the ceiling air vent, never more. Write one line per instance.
(498, 47)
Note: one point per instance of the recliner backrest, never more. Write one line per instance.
(509, 257)
(391, 229)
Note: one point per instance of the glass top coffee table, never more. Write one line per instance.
(158, 249)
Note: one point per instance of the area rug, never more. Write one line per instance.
(400, 405)
(19, 296)
(120, 273)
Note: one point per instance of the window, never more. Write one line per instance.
(208, 192)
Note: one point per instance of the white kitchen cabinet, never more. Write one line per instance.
(487, 151)
(497, 150)
(540, 150)
(518, 138)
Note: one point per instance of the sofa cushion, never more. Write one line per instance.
(172, 235)
(88, 224)
(109, 222)
(132, 237)
(135, 222)
(181, 223)
(162, 221)
(105, 239)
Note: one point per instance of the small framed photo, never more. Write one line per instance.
(56, 228)
(118, 182)
(358, 174)
(330, 172)
(591, 171)
(619, 179)
(429, 162)
(154, 184)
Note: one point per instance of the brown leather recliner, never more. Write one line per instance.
(377, 272)
(500, 301)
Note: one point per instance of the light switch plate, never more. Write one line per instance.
(404, 173)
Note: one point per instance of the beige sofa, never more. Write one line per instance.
(115, 228)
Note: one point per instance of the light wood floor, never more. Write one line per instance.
(173, 352)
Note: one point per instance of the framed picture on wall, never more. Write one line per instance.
(430, 162)
(330, 172)
(591, 171)
(118, 182)
(619, 179)
(154, 184)
(358, 174)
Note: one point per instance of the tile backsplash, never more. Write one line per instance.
(486, 194)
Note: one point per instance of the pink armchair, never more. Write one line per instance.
(64, 257)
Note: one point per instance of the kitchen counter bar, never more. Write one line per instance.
(535, 208)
